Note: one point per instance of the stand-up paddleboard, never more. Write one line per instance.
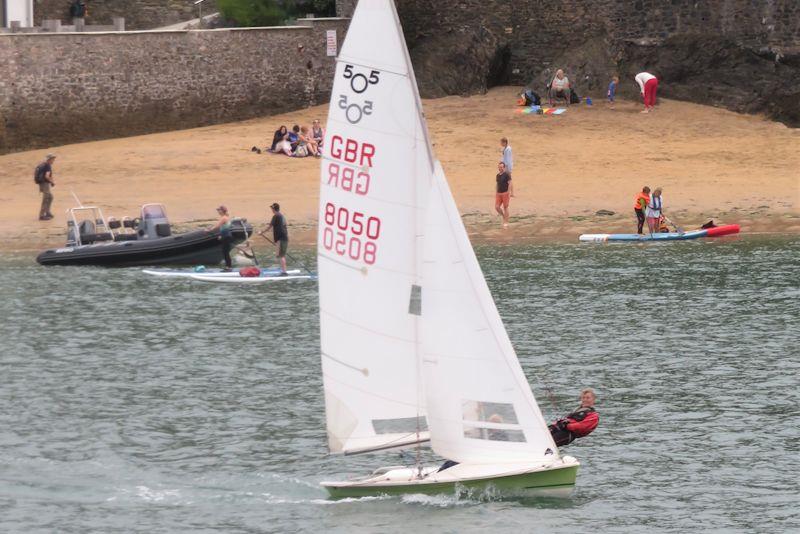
(726, 229)
(188, 273)
(252, 279)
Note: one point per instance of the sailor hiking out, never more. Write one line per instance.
(579, 423)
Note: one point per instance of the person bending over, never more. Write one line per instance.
(579, 423)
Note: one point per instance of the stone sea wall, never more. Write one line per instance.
(138, 14)
(66, 87)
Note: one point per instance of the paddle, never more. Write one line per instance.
(289, 255)
(678, 228)
(247, 244)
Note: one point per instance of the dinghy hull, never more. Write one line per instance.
(557, 481)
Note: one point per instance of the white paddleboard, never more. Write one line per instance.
(251, 279)
(219, 273)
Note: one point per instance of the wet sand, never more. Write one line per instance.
(711, 163)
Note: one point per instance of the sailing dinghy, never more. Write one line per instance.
(413, 348)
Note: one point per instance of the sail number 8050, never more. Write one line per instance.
(351, 234)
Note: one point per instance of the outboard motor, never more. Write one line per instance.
(154, 223)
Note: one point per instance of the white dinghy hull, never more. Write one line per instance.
(495, 480)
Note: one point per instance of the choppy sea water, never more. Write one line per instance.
(130, 404)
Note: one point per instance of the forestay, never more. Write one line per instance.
(375, 180)
(480, 406)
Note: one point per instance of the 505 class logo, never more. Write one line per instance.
(359, 83)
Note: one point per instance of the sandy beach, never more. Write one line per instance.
(711, 163)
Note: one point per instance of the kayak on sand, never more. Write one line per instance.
(726, 229)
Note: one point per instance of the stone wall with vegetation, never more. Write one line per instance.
(138, 14)
(742, 54)
(67, 87)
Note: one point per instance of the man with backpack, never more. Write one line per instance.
(43, 176)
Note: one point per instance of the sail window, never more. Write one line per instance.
(494, 434)
(492, 412)
(401, 425)
(499, 418)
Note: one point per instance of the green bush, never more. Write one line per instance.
(273, 12)
(252, 12)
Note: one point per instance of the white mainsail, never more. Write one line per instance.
(479, 404)
(375, 181)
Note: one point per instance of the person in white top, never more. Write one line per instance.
(654, 211)
(506, 156)
(648, 85)
(559, 87)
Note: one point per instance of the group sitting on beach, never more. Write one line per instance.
(299, 142)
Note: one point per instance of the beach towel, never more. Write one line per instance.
(538, 110)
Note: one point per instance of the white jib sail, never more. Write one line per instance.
(480, 406)
(375, 179)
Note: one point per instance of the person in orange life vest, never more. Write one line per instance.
(642, 199)
(579, 423)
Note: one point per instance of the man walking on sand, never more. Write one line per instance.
(43, 176)
(506, 156)
(504, 192)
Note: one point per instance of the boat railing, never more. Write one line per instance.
(91, 228)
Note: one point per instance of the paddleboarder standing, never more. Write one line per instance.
(280, 235)
(503, 193)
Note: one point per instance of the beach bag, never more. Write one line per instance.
(529, 98)
(250, 272)
(38, 174)
(301, 152)
(574, 98)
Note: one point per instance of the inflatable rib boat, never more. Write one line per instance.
(726, 229)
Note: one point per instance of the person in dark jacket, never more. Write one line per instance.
(579, 423)
(43, 176)
(279, 135)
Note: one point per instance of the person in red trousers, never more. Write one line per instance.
(648, 84)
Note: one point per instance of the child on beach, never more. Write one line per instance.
(612, 90)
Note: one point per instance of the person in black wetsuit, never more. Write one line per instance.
(225, 235)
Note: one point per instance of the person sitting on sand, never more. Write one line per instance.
(648, 84)
(306, 146)
(559, 87)
(277, 137)
(317, 133)
(642, 199)
(654, 211)
(294, 137)
(579, 423)
(284, 146)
